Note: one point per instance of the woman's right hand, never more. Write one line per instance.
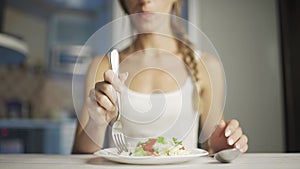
(102, 101)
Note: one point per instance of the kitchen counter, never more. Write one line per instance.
(245, 161)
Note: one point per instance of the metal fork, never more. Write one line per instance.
(117, 130)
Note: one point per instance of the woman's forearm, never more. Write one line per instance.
(90, 139)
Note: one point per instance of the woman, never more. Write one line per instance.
(100, 107)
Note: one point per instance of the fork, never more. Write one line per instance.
(117, 130)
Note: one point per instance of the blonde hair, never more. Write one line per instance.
(185, 46)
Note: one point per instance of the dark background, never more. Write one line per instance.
(290, 38)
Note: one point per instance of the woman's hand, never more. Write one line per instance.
(228, 135)
(101, 103)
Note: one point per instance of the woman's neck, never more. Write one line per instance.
(146, 41)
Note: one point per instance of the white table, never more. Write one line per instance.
(248, 160)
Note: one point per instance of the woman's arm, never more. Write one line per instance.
(90, 133)
(222, 134)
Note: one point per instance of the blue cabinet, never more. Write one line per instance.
(36, 136)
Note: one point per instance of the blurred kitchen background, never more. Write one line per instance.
(40, 40)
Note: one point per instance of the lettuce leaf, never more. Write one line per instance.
(161, 140)
(139, 152)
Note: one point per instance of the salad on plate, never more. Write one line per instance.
(153, 151)
(159, 147)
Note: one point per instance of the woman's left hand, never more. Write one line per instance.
(228, 135)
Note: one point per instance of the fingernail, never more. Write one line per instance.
(227, 133)
(124, 75)
(230, 141)
(237, 145)
(222, 122)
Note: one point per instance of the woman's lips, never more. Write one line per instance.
(146, 15)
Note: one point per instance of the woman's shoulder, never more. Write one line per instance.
(207, 58)
(208, 65)
(101, 60)
(98, 66)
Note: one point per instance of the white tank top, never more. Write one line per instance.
(172, 114)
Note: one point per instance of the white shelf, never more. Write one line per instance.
(14, 44)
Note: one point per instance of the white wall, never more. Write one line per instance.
(246, 35)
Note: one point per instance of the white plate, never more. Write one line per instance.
(111, 154)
